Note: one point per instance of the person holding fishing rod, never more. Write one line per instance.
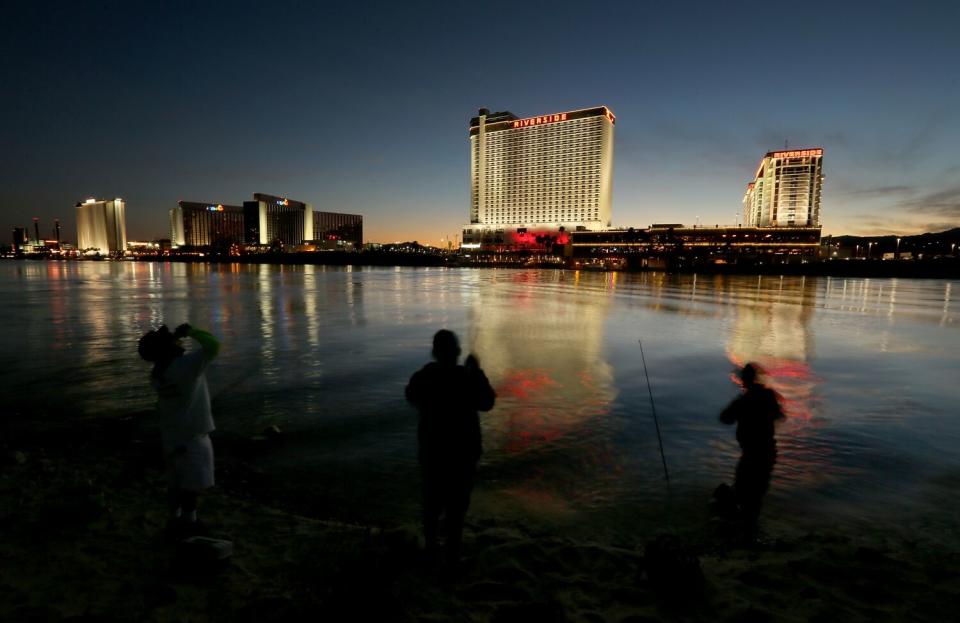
(183, 405)
(448, 397)
(754, 412)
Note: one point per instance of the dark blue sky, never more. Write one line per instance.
(364, 107)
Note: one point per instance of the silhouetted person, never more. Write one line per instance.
(185, 420)
(448, 397)
(754, 413)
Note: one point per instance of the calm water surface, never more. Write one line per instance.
(868, 369)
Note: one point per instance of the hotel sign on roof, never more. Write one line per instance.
(516, 124)
(523, 123)
(797, 153)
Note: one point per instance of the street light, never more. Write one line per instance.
(897, 254)
(869, 247)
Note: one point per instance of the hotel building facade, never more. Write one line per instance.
(537, 178)
(786, 190)
(333, 230)
(266, 220)
(205, 225)
(101, 226)
(272, 219)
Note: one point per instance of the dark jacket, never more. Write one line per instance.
(448, 397)
(754, 412)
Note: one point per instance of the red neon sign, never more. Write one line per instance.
(522, 123)
(800, 153)
(562, 116)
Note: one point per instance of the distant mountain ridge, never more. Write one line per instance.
(935, 243)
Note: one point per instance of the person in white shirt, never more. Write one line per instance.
(184, 408)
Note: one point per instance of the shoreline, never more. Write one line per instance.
(84, 538)
(940, 268)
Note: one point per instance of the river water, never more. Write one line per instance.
(868, 369)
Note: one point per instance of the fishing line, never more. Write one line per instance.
(656, 420)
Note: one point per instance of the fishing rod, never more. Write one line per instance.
(656, 421)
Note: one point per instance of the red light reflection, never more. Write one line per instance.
(523, 383)
(792, 380)
(800, 462)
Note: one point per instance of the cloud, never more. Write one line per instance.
(871, 225)
(880, 191)
(909, 210)
(941, 203)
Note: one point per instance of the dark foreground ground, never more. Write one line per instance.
(82, 525)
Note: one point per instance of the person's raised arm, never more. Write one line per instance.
(776, 405)
(484, 395)
(414, 391)
(209, 344)
(729, 415)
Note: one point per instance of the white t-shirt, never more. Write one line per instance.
(184, 399)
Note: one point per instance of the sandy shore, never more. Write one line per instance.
(82, 519)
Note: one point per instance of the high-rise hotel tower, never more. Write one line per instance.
(102, 226)
(786, 190)
(539, 174)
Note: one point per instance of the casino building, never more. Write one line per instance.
(332, 230)
(267, 220)
(101, 226)
(270, 219)
(786, 190)
(534, 180)
(206, 225)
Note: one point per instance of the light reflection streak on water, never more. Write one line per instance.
(946, 305)
(267, 337)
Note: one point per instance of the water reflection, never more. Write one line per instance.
(868, 368)
(772, 328)
(543, 351)
(541, 336)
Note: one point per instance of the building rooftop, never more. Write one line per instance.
(795, 153)
(506, 120)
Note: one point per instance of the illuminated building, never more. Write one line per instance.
(205, 225)
(786, 190)
(333, 230)
(270, 219)
(20, 239)
(538, 177)
(101, 226)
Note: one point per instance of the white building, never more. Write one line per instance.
(540, 174)
(101, 226)
(786, 190)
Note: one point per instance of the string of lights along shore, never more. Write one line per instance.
(542, 175)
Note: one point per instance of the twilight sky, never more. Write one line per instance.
(363, 107)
